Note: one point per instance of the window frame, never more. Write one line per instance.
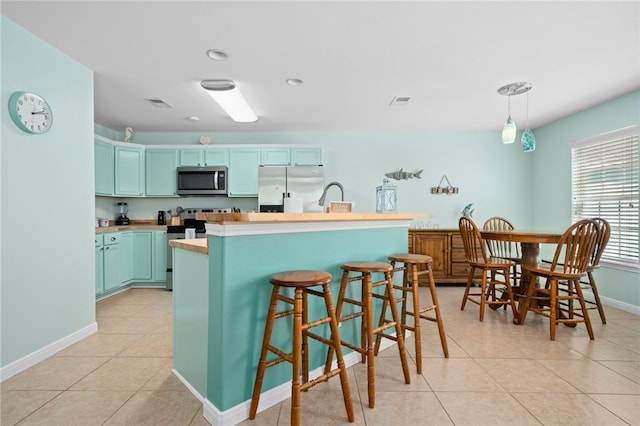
(587, 171)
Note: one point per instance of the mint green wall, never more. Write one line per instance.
(488, 173)
(46, 227)
(551, 180)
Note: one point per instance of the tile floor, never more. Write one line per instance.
(497, 373)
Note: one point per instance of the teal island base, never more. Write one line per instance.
(221, 295)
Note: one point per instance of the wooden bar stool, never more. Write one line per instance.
(301, 281)
(410, 284)
(367, 331)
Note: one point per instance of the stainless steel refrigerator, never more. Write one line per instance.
(298, 182)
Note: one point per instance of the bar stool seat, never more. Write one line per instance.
(411, 278)
(367, 331)
(302, 283)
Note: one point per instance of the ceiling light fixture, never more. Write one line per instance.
(509, 129)
(528, 140)
(227, 95)
(217, 54)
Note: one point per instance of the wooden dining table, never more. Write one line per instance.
(530, 244)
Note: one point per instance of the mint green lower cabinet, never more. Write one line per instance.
(126, 257)
(160, 172)
(243, 172)
(111, 258)
(159, 257)
(142, 250)
(99, 269)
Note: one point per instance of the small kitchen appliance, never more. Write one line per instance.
(121, 213)
(162, 218)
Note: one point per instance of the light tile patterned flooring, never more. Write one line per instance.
(497, 373)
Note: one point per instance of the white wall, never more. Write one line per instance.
(47, 290)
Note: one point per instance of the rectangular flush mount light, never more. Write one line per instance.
(227, 95)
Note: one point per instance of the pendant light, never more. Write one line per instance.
(509, 129)
(528, 140)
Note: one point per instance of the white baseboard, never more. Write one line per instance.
(40, 355)
(240, 412)
(627, 307)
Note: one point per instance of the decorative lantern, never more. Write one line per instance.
(386, 197)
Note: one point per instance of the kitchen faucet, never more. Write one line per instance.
(326, 188)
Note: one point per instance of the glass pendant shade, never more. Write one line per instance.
(509, 131)
(528, 141)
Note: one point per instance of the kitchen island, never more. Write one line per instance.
(221, 296)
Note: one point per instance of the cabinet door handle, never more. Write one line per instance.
(113, 238)
(106, 248)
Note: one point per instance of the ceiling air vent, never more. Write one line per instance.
(399, 100)
(158, 103)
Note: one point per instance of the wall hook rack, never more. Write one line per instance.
(449, 189)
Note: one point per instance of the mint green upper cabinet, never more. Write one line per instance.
(160, 170)
(104, 167)
(276, 157)
(159, 258)
(243, 172)
(311, 156)
(203, 157)
(216, 157)
(191, 157)
(129, 171)
(142, 246)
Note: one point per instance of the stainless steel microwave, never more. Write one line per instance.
(202, 180)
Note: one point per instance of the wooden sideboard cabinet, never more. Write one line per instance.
(446, 248)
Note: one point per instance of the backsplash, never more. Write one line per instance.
(147, 208)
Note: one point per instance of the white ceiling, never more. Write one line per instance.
(354, 57)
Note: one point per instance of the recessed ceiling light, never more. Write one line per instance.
(217, 54)
(193, 118)
(294, 81)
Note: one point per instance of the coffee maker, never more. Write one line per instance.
(121, 213)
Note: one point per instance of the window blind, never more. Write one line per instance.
(605, 182)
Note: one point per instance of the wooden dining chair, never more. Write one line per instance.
(570, 262)
(503, 249)
(588, 281)
(475, 251)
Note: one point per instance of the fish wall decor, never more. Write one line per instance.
(402, 175)
(468, 210)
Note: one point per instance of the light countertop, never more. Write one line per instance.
(304, 217)
(199, 245)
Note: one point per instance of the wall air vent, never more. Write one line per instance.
(158, 103)
(399, 100)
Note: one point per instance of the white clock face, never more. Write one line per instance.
(30, 112)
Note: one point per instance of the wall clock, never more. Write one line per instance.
(30, 112)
